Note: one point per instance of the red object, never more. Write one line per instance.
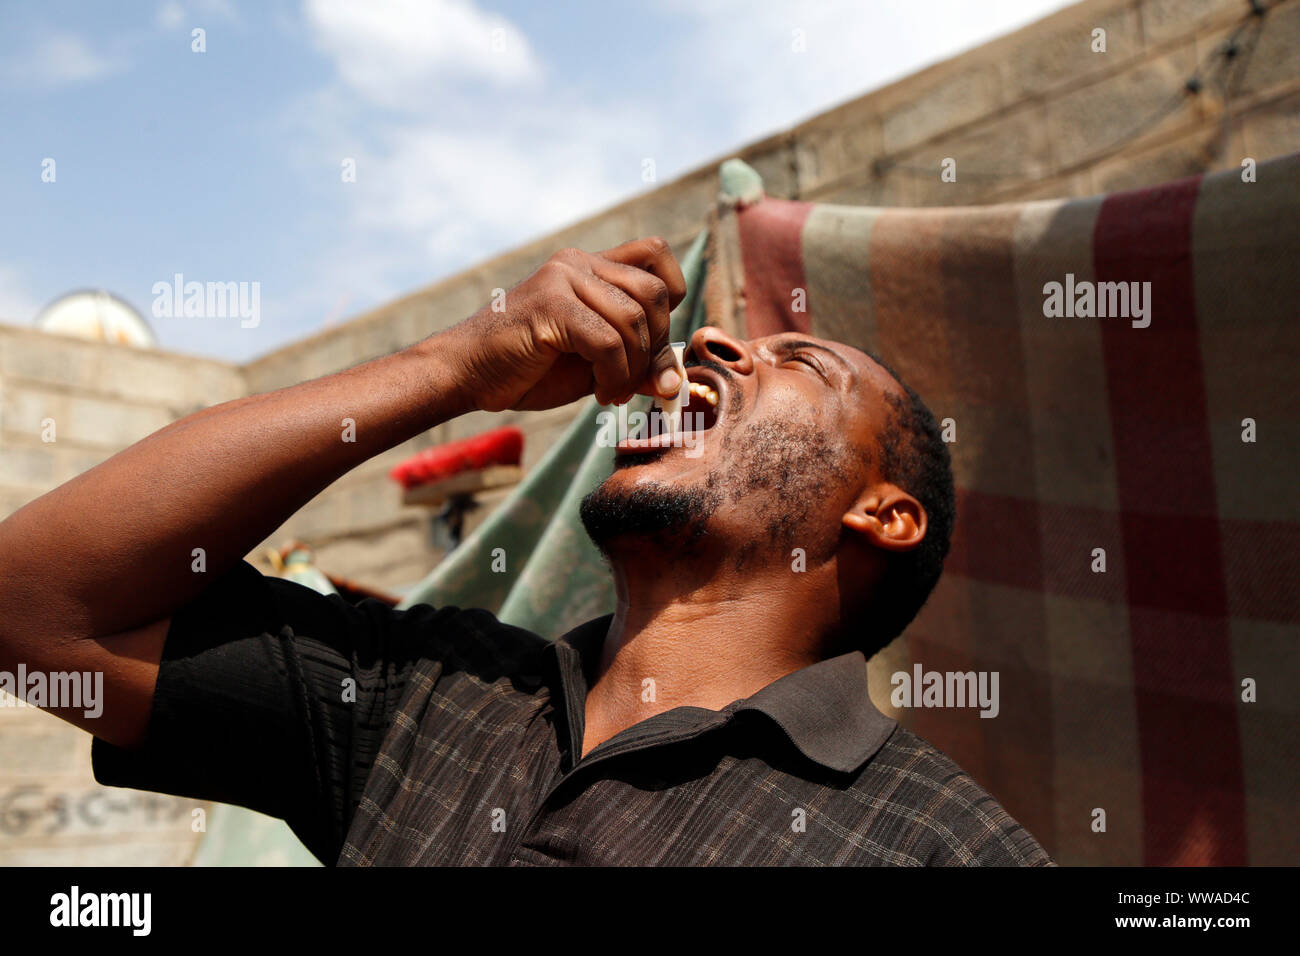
(500, 446)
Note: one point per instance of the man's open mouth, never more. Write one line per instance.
(702, 409)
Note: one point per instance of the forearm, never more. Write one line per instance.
(114, 548)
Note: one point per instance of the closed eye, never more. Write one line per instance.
(811, 363)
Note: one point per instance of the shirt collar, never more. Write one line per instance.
(826, 711)
(824, 708)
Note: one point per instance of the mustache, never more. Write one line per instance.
(722, 370)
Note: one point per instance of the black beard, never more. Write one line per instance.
(652, 513)
(782, 468)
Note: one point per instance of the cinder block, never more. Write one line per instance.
(1120, 109)
(1161, 164)
(107, 423)
(55, 813)
(844, 144)
(1063, 56)
(39, 747)
(54, 359)
(124, 850)
(473, 423)
(454, 301)
(893, 187)
(1272, 131)
(384, 337)
(71, 460)
(1075, 185)
(675, 210)
(331, 353)
(952, 102)
(25, 407)
(13, 497)
(143, 376)
(373, 504)
(1005, 152)
(612, 228)
(28, 464)
(369, 559)
(1164, 20)
(1273, 62)
(775, 163)
(214, 383)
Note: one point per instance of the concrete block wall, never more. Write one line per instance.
(52, 813)
(65, 406)
(1038, 114)
(1034, 114)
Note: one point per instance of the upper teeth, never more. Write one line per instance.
(706, 393)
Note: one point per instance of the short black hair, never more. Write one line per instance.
(914, 456)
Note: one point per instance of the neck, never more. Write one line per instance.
(676, 642)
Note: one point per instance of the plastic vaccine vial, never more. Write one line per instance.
(672, 408)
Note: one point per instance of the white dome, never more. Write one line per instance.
(99, 316)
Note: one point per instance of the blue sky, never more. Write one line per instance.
(474, 125)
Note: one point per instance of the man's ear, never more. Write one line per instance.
(888, 518)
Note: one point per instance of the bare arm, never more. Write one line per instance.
(91, 572)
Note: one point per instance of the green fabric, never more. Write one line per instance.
(553, 577)
(740, 182)
(239, 837)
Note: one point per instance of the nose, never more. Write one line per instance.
(710, 343)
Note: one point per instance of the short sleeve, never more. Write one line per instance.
(274, 697)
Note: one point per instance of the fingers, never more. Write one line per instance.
(654, 256)
(647, 270)
(652, 295)
(626, 318)
(617, 318)
(600, 344)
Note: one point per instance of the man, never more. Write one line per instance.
(720, 716)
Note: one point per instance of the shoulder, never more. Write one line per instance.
(475, 633)
(470, 640)
(945, 817)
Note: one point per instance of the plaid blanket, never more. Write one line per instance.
(1127, 544)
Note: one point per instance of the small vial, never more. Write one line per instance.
(672, 408)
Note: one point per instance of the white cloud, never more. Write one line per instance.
(170, 15)
(62, 59)
(463, 169)
(433, 198)
(222, 9)
(471, 192)
(398, 53)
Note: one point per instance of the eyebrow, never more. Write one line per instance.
(794, 344)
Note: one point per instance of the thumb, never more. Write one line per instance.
(666, 374)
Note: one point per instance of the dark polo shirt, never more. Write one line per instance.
(442, 736)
